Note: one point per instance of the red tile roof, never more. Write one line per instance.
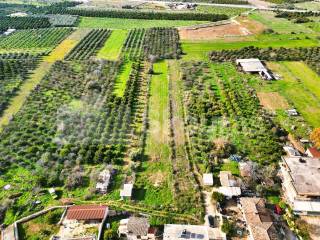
(314, 152)
(86, 212)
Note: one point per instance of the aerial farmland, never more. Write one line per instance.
(165, 120)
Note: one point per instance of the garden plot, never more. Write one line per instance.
(231, 29)
(272, 101)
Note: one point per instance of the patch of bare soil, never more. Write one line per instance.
(213, 32)
(253, 26)
(272, 101)
(157, 178)
(313, 226)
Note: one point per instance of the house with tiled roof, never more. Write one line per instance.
(87, 212)
(135, 228)
(259, 221)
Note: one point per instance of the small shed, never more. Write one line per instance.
(254, 65)
(126, 191)
(208, 179)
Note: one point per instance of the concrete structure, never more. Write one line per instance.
(301, 185)
(103, 181)
(259, 221)
(313, 152)
(135, 228)
(126, 191)
(192, 232)
(208, 179)
(254, 65)
(230, 186)
(292, 152)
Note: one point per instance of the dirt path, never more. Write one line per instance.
(57, 54)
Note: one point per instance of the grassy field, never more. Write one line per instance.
(200, 49)
(121, 80)
(112, 47)
(57, 54)
(221, 10)
(154, 177)
(300, 86)
(119, 23)
(279, 25)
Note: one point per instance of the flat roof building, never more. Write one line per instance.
(301, 185)
(229, 184)
(191, 232)
(208, 179)
(126, 191)
(254, 65)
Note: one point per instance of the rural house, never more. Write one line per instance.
(79, 219)
(191, 232)
(230, 186)
(135, 228)
(300, 183)
(259, 221)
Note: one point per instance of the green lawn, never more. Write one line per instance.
(120, 23)
(123, 76)
(112, 47)
(300, 86)
(231, 166)
(279, 25)
(199, 49)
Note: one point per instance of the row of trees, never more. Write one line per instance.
(23, 23)
(134, 14)
(89, 45)
(161, 43)
(35, 38)
(12, 75)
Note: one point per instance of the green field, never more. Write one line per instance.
(200, 49)
(300, 86)
(120, 23)
(155, 176)
(112, 47)
(121, 80)
(279, 25)
(221, 10)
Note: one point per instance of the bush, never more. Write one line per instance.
(218, 197)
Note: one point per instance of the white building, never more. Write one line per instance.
(301, 185)
(230, 186)
(192, 232)
(208, 179)
(126, 191)
(254, 65)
